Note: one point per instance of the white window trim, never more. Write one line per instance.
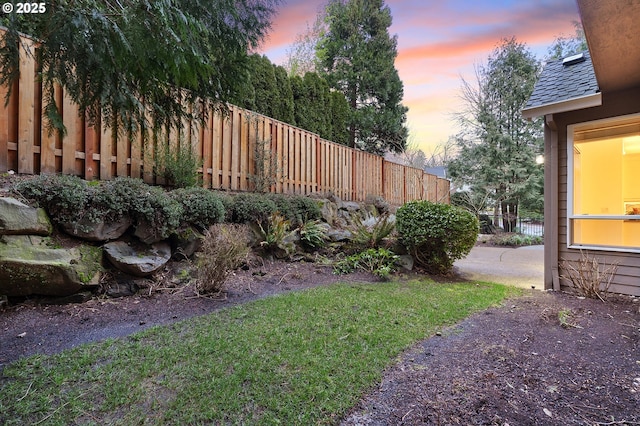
(570, 216)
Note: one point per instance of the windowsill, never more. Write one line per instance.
(605, 248)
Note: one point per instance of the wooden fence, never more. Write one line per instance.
(303, 163)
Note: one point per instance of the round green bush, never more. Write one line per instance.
(436, 234)
(155, 209)
(201, 207)
(297, 209)
(249, 208)
(65, 198)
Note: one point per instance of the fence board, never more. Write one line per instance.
(206, 135)
(122, 155)
(226, 153)
(244, 151)
(216, 151)
(235, 149)
(6, 117)
(26, 112)
(136, 155)
(443, 191)
(105, 153)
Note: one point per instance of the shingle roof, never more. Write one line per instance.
(560, 83)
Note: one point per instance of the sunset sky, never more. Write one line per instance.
(439, 42)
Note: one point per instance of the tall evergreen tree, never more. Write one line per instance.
(284, 99)
(338, 116)
(497, 153)
(265, 88)
(120, 61)
(357, 57)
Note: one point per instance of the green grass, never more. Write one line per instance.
(299, 358)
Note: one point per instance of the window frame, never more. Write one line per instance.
(571, 217)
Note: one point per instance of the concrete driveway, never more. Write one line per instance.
(520, 267)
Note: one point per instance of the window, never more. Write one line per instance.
(603, 204)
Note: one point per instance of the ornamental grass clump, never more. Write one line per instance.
(436, 234)
(378, 261)
(371, 233)
(224, 248)
(313, 235)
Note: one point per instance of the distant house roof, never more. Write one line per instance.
(440, 171)
(564, 85)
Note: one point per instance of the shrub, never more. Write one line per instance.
(178, 165)
(371, 233)
(70, 199)
(201, 207)
(436, 234)
(265, 166)
(589, 277)
(65, 198)
(274, 236)
(224, 248)
(156, 210)
(515, 240)
(312, 234)
(227, 202)
(380, 262)
(248, 208)
(297, 209)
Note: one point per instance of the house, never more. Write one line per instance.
(591, 109)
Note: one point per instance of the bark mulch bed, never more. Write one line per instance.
(542, 358)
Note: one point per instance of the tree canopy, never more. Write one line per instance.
(498, 148)
(566, 46)
(356, 55)
(126, 62)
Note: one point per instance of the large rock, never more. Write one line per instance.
(29, 266)
(148, 233)
(339, 235)
(17, 218)
(137, 259)
(103, 231)
(329, 211)
(350, 206)
(185, 242)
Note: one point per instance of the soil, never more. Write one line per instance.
(542, 358)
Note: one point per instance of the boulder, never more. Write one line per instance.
(338, 235)
(17, 218)
(103, 231)
(185, 242)
(406, 262)
(29, 266)
(138, 259)
(147, 233)
(328, 211)
(335, 200)
(350, 206)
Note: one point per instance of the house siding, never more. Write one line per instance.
(615, 104)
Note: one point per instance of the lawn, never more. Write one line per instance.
(298, 358)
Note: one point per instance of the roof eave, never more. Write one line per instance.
(573, 104)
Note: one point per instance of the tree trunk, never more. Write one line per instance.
(509, 215)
